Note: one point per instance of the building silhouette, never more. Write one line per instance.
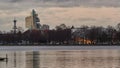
(32, 21)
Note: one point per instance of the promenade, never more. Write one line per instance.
(59, 48)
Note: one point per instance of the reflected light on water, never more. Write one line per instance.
(61, 59)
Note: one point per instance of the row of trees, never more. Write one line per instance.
(65, 35)
(37, 36)
(99, 34)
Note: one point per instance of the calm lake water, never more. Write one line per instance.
(61, 59)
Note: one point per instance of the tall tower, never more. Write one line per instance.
(34, 15)
(33, 12)
(14, 27)
(32, 21)
(35, 19)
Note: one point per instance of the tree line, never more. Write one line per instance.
(64, 35)
(37, 37)
(100, 35)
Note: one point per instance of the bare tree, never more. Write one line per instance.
(84, 29)
(118, 27)
(20, 29)
(61, 27)
(110, 31)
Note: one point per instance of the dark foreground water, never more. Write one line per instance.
(61, 59)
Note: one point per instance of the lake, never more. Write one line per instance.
(103, 58)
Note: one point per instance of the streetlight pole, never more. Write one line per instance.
(14, 28)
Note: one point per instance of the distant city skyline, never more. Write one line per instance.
(55, 12)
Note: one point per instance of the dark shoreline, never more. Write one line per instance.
(59, 44)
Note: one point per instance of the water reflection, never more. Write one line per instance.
(61, 59)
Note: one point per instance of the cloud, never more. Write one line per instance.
(16, 0)
(71, 3)
(78, 16)
(66, 3)
(87, 19)
(54, 12)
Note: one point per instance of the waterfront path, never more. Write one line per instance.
(59, 48)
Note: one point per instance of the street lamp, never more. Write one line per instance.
(14, 27)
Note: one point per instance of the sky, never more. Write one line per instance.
(56, 12)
